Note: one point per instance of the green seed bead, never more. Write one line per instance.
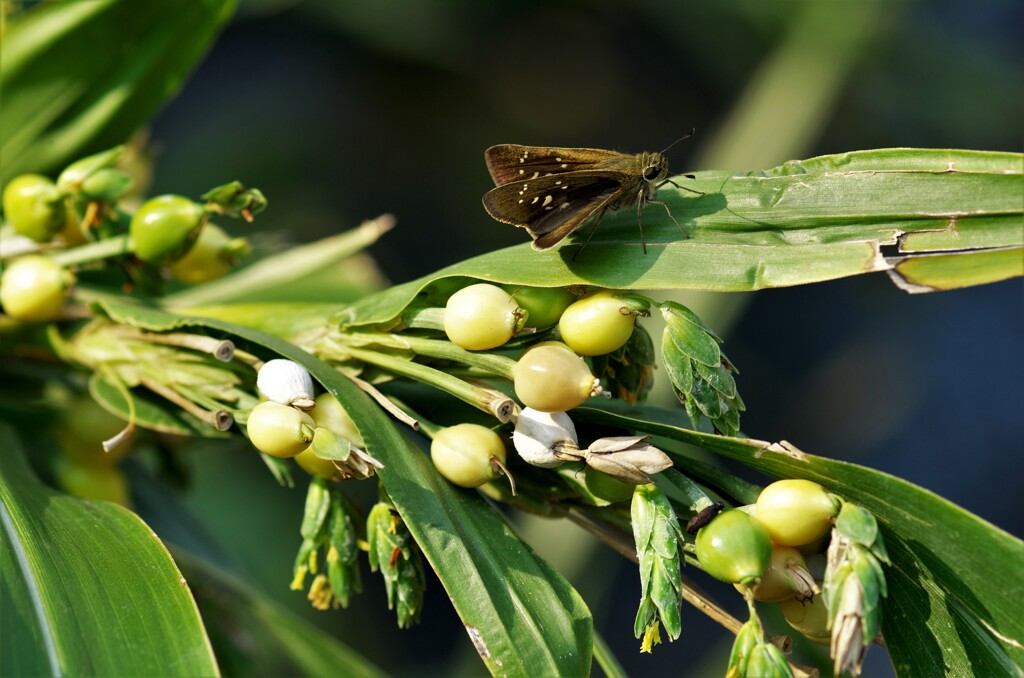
(795, 512)
(775, 586)
(329, 413)
(551, 378)
(279, 430)
(604, 486)
(809, 618)
(480, 317)
(164, 228)
(543, 305)
(734, 548)
(33, 207)
(596, 325)
(463, 454)
(34, 288)
(209, 258)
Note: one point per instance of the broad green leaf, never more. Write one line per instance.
(275, 642)
(262, 638)
(954, 587)
(69, 565)
(81, 76)
(803, 222)
(521, 615)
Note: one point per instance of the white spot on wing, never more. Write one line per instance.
(547, 200)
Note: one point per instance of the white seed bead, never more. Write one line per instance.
(286, 382)
(538, 433)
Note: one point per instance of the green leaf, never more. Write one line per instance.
(954, 585)
(81, 76)
(287, 270)
(521, 615)
(803, 222)
(264, 638)
(69, 564)
(150, 412)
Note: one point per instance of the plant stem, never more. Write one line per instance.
(95, 251)
(606, 660)
(501, 408)
(624, 546)
(428, 427)
(220, 420)
(221, 349)
(496, 365)
(737, 488)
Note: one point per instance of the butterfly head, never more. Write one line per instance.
(655, 167)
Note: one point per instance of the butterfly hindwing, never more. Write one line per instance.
(512, 162)
(553, 208)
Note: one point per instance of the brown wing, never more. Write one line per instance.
(512, 162)
(552, 209)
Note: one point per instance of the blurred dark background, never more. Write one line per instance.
(342, 111)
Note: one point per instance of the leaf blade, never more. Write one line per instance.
(104, 563)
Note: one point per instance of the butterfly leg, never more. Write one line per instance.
(590, 234)
(639, 222)
(691, 190)
(669, 212)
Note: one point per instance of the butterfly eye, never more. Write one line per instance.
(651, 172)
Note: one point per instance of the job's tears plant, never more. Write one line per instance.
(555, 371)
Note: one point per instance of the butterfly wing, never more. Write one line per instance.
(512, 162)
(553, 208)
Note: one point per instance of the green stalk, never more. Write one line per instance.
(477, 397)
(497, 365)
(737, 488)
(95, 251)
(606, 660)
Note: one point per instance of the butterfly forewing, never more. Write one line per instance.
(553, 208)
(512, 162)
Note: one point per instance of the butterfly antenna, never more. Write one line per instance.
(682, 138)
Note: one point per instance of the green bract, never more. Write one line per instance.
(164, 228)
(551, 378)
(794, 511)
(33, 287)
(596, 325)
(734, 547)
(33, 207)
(463, 454)
(279, 430)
